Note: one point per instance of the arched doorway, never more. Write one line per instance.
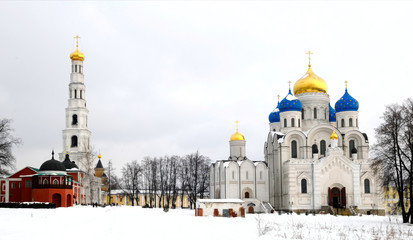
(68, 200)
(250, 209)
(247, 195)
(57, 199)
(337, 197)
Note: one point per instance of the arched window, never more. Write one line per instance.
(302, 113)
(74, 141)
(74, 119)
(285, 122)
(342, 123)
(351, 145)
(55, 182)
(303, 185)
(357, 123)
(246, 175)
(75, 93)
(323, 147)
(299, 123)
(325, 114)
(294, 149)
(292, 122)
(315, 113)
(75, 68)
(80, 93)
(247, 195)
(366, 186)
(350, 123)
(45, 182)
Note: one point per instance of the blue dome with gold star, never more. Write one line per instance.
(275, 115)
(347, 103)
(331, 114)
(290, 103)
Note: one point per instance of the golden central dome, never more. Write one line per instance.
(310, 83)
(77, 55)
(237, 137)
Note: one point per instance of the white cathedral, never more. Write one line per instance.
(316, 158)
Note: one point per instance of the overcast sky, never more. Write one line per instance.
(167, 78)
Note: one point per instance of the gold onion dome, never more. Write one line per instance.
(310, 82)
(237, 136)
(333, 135)
(77, 55)
(99, 156)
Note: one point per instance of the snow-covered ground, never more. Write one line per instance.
(135, 223)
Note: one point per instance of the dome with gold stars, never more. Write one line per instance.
(77, 55)
(310, 82)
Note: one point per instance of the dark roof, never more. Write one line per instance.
(104, 175)
(99, 165)
(69, 164)
(52, 165)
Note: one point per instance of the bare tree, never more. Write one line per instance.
(7, 141)
(131, 175)
(112, 180)
(86, 164)
(197, 164)
(394, 151)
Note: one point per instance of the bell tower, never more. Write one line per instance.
(76, 135)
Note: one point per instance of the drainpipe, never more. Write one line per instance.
(281, 179)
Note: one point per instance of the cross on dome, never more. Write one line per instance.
(309, 58)
(77, 41)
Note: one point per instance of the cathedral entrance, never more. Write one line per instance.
(337, 197)
(57, 199)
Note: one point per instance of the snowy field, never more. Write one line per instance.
(135, 223)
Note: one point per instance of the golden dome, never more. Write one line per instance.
(99, 156)
(77, 55)
(333, 136)
(310, 83)
(237, 136)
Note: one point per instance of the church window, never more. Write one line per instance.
(261, 176)
(80, 93)
(75, 68)
(323, 147)
(342, 123)
(233, 174)
(28, 184)
(246, 175)
(285, 122)
(292, 122)
(350, 122)
(74, 119)
(13, 185)
(45, 182)
(366, 186)
(325, 115)
(303, 185)
(80, 69)
(74, 141)
(294, 149)
(247, 195)
(55, 182)
(302, 113)
(351, 147)
(299, 123)
(315, 113)
(357, 123)
(75, 93)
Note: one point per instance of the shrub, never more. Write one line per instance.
(27, 205)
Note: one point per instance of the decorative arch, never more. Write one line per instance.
(57, 199)
(55, 182)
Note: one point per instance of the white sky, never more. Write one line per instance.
(172, 77)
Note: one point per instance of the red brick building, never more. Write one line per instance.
(55, 182)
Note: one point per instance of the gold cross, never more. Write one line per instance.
(237, 124)
(77, 41)
(289, 84)
(345, 82)
(309, 58)
(278, 97)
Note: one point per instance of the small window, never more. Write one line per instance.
(323, 147)
(357, 123)
(294, 149)
(28, 184)
(80, 93)
(233, 174)
(351, 147)
(366, 186)
(74, 141)
(285, 122)
(55, 182)
(302, 113)
(342, 123)
(45, 182)
(261, 176)
(80, 68)
(246, 175)
(292, 122)
(303, 185)
(350, 122)
(315, 113)
(74, 119)
(75, 68)
(20, 185)
(75, 93)
(13, 185)
(299, 123)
